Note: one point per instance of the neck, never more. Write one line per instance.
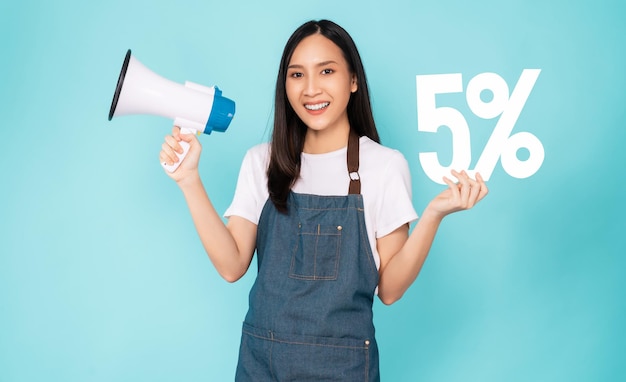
(324, 141)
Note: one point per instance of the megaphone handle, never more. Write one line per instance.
(181, 156)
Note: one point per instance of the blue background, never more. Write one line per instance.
(102, 277)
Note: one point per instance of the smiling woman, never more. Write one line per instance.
(101, 279)
(327, 210)
(319, 85)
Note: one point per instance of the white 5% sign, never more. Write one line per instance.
(501, 144)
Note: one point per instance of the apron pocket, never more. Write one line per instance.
(320, 361)
(316, 256)
(295, 357)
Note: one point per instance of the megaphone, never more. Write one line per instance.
(194, 108)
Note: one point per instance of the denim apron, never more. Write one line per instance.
(310, 308)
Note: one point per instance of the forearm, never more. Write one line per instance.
(404, 267)
(402, 258)
(217, 240)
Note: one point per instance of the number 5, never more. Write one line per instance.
(430, 118)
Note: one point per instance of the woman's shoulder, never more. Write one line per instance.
(376, 151)
(260, 150)
(258, 154)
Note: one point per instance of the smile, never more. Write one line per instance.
(317, 106)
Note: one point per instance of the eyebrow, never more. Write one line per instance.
(323, 63)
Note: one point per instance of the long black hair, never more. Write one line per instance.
(289, 131)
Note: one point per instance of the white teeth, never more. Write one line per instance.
(318, 106)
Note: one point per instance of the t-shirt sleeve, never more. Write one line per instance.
(251, 191)
(396, 206)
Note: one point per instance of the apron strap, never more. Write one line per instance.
(353, 164)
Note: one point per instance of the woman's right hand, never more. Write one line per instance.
(189, 166)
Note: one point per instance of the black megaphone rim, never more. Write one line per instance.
(120, 83)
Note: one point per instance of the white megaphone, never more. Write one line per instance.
(194, 108)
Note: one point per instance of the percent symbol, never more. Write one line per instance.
(501, 143)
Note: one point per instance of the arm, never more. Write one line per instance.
(402, 256)
(230, 247)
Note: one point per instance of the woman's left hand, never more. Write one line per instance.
(458, 196)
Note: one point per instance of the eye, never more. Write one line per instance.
(328, 71)
(295, 75)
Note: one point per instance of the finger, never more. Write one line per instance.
(465, 187)
(456, 174)
(168, 154)
(475, 189)
(474, 195)
(187, 137)
(454, 187)
(176, 132)
(472, 182)
(461, 176)
(479, 190)
(173, 143)
(166, 159)
(455, 192)
(484, 190)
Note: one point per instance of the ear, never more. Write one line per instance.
(353, 84)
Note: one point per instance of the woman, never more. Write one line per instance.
(327, 209)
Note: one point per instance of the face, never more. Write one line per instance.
(319, 84)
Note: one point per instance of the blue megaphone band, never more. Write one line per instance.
(222, 113)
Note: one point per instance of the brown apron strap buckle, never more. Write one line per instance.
(353, 164)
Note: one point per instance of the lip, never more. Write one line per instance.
(316, 111)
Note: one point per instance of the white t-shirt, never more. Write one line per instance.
(385, 185)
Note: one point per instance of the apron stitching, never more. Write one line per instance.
(272, 338)
(314, 344)
(317, 239)
(270, 355)
(367, 249)
(367, 364)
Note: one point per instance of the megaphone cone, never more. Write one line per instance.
(193, 107)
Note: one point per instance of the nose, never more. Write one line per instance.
(312, 87)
